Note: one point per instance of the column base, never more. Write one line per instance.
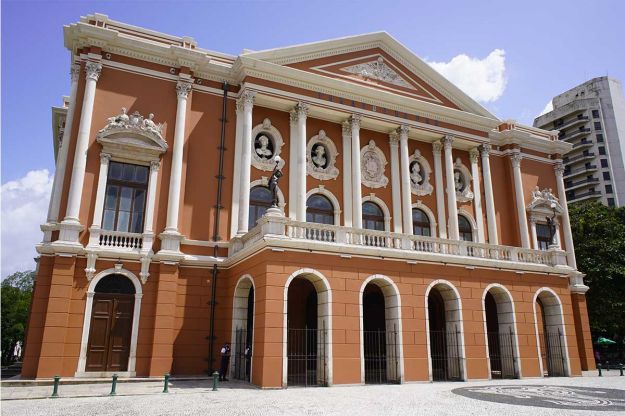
(576, 283)
(70, 230)
(170, 246)
(47, 229)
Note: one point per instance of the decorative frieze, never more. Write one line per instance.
(373, 165)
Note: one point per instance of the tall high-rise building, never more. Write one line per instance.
(591, 117)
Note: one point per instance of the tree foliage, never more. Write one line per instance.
(16, 295)
(599, 237)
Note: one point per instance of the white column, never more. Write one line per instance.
(566, 222)
(452, 208)
(236, 178)
(61, 160)
(247, 100)
(396, 182)
(148, 224)
(477, 195)
(183, 87)
(533, 232)
(440, 193)
(293, 143)
(347, 174)
(406, 194)
(302, 113)
(520, 198)
(491, 219)
(356, 173)
(72, 221)
(101, 191)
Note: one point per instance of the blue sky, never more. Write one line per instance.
(512, 56)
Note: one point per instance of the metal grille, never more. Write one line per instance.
(501, 352)
(445, 355)
(306, 355)
(381, 351)
(553, 354)
(242, 356)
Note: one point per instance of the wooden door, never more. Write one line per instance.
(109, 336)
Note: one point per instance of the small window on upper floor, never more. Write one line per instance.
(124, 203)
(597, 125)
(611, 202)
(420, 223)
(604, 163)
(319, 209)
(595, 113)
(543, 236)
(599, 138)
(601, 150)
(608, 189)
(372, 216)
(606, 176)
(464, 228)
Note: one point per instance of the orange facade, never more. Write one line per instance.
(171, 333)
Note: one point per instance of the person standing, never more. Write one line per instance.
(225, 361)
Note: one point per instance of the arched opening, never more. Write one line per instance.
(464, 228)
(420, 223)
(445, 333)
(307, 328)
(500, 333)
(242, 329)
(319, 210)
(111, 324)
(372, 216)
(381, 332)
(260, 202)
(550, 333)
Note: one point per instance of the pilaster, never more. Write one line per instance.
(452, 207)
(406, 193)
(356, 172)
(347, 176)
(396, 182)
(437, 148)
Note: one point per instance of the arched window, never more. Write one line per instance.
(420, 223)
(319, 209)
(464, 228)
(260, 202)
(372, 216)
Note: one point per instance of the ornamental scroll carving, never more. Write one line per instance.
(266, 146)
(462, 182)
(378, 70)
(321, 156)
(373, 164)
(420, 173)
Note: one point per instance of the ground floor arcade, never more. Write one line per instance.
(307, 319)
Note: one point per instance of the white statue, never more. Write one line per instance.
(150, 125)
(263, 151)
(415, 173)
(458, 181)
(119, 120)
(319, 158)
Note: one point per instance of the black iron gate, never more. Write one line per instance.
(242, 355)
(501, 353)
(553, 355)
(306, 357)
(446, 355)
(381, 354)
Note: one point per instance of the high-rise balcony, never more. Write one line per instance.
(571, 173)
(578, 158)
(572, 122)
(584, 143)
(581, 184)
(584, 196)
(573, 134)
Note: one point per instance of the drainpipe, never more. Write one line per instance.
(216, 236)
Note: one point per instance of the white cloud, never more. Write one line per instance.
(24, 208)
(548, 108)
(483, 80)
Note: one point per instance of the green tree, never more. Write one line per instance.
(599, 237)
(16, 295)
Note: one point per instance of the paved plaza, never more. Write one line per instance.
(555, 396)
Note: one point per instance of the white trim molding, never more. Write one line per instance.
(336, 206)
(86, 327)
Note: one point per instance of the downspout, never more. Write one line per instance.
(216, 236)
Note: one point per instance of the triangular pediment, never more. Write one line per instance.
(374, 60)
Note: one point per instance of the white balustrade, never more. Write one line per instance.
(117, 239)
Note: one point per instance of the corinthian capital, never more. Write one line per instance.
(301, 109)
(437, 147)
(354, 120)
(474, 155)
(403, 131)
(485, 150)
(183, 88)
(75, 72)
(347, 128)
(516, 158)
(105, 158)
(448, 141)
(559, 168)
(246, 100)
(394, 138)
(93, 70)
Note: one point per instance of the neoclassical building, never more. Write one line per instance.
(412, 236)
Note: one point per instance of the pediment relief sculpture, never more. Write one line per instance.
(266, 146)
(420, 173)
(132, 133)
(373, 164)
(544, 203)
(462, 182)
(378, 70)
(321, 156)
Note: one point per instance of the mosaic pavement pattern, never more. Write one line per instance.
(556, 397)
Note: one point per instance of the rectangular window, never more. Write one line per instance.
(601, 150)
(600, 138)
(610, 202)
(608, 189)
(597, 125)
(604, 163)
(595, 113)
(606, 176)
(543, 235)
(124, 202)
